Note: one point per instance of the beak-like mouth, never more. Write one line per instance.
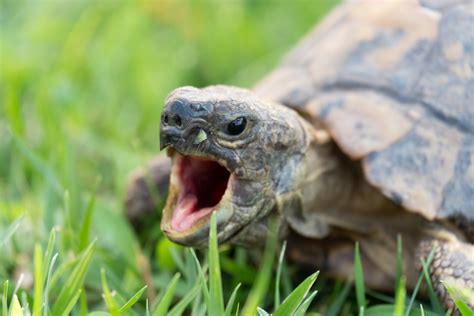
(198, 186)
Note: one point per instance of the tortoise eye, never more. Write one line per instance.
(237, 126)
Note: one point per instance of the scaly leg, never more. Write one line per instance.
(453, 265)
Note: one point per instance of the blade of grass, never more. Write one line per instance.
(205, 289)
(422, 311)
(38, 279)
(189, 272)
(74, 282)
(399, 264)
(18, 284)
(110, 302)
(418, 283)
(38, 165)
(230, 304)
(431, 293)
(62, 269)
(286, 282)
(216, 299)
(301, 311)
(46, 288)
(337, 305)
(49, 254)
(291, 303)
(133, 300)
(179, 308)
(85, 230)
(262, 312)
(260, 287)
(278, 275)
(15, 309)
(11, 229)
(400, 297)
(459, 299)
(72, 301)
(83, 310)
(166, 299)
(24, 303)
(384, 298)
(177, 258)
(237, 309)
(5, 298)
(198, 308)
(389, 310)
(359, 277)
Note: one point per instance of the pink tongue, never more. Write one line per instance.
(186, 213)
(182, 211)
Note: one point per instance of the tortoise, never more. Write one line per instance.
(364, 132)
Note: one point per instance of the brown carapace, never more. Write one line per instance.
(364, 132)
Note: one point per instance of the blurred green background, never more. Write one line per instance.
(82, 84)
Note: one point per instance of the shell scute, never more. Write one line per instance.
(361, 122)
(393, 82)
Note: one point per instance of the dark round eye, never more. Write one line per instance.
(237, 126)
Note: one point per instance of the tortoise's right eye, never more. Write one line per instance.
(237, 126)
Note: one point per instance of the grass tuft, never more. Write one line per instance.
(295, 299)
(336, 307)
(165, 301)
(179, 308)
(69, 295)
(260, 286)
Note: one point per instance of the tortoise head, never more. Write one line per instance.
(232, 153)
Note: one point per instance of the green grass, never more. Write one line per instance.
(82, 85)
(207, 283)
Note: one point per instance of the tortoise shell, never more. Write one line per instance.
(393, 84)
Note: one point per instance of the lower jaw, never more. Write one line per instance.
(197, 233)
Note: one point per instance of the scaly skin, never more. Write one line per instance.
(284, 167)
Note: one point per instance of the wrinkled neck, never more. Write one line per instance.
(322, 181)
(333, 192)
(327, 176)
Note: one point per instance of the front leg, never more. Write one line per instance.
(146, 189)
(453, 265)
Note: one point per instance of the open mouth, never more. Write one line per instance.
(199, 186)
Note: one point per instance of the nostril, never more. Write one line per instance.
(165, 118)
(177, 120)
